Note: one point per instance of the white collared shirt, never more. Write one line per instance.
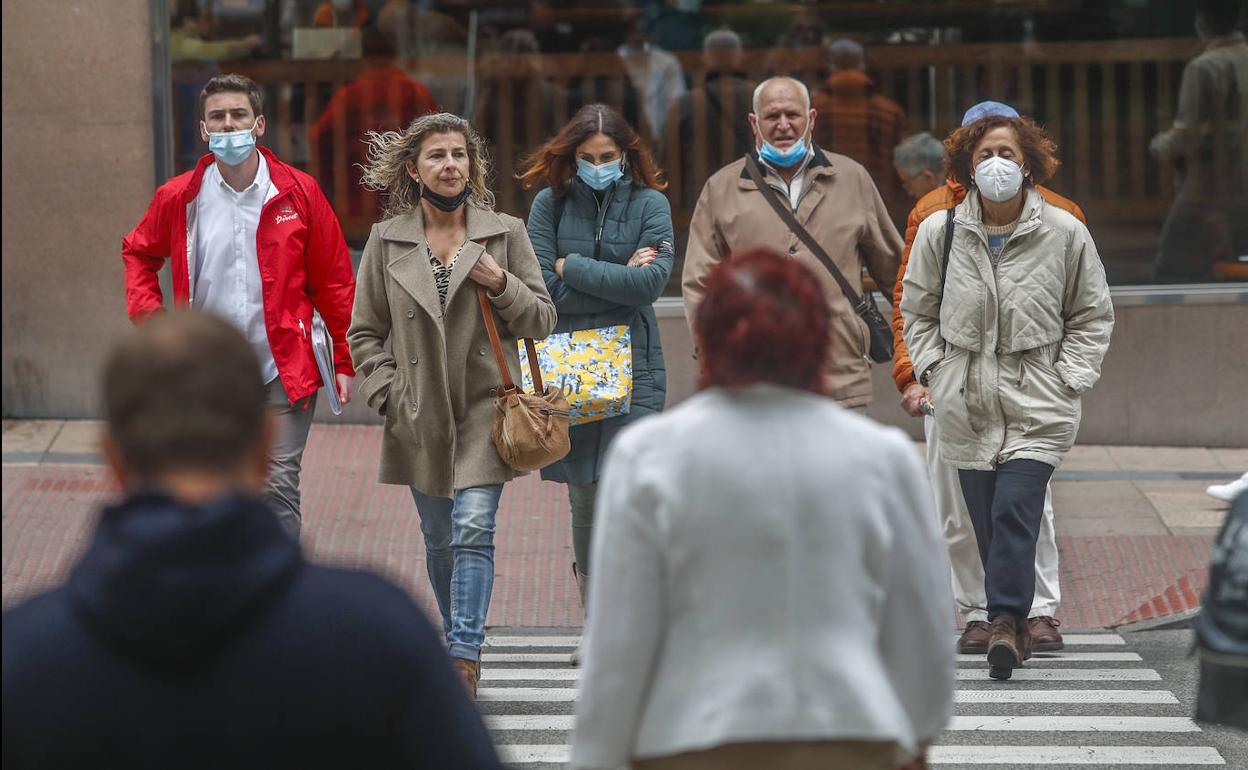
(227, 268)
(793, 187)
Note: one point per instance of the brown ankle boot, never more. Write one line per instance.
(582, 587)
(1025, 640)
(1003, 648)
(469, 672)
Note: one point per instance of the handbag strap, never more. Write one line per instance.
(786, 215)
(487, 312)
(944, 262)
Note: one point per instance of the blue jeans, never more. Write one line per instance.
(459, 555)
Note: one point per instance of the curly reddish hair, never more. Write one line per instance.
(764, 319)
(1039, 150)
(554, 163)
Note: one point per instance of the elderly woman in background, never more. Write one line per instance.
(1011, 351)
(439, 240)
(777, 586)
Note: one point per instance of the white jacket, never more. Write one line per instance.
(766, 566)
(1010, 350)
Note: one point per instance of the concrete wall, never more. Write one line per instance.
(77, 174)
(1174, 376)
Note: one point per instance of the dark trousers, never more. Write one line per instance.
(1006, 506)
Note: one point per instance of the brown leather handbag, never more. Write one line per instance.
(530, 429)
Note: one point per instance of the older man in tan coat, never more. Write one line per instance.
(831, 195)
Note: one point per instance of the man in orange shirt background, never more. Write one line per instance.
(968, 571)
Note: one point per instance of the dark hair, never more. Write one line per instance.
(554, 163)
(1221, 16)
(183, 392)
(1039, 151)
(233, 84)
(764, 319)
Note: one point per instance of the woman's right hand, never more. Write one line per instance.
(643, 256)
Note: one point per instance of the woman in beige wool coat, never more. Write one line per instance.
(1008, 340)
(416, 289)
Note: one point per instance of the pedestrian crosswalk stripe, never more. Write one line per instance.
(1166, 756)
(1069, 674)
(536, 674)
(1062, 657)
(1164, 697)
(1075, 724)
(1077, 640)
(489, 673)
(1066, 724)
(543, 753)
(1113, 640)
(1064, 696)
(526, 694)
(1054, 657)
(501, 722)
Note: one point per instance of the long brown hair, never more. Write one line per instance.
(554, 163)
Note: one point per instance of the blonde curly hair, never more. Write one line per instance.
(388, 153)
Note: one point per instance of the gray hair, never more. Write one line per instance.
(388, 153)
(722, 40)
(758, 92)
(919, 153)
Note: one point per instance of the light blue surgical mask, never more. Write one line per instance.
(599, 177)
(779, 158)
(233, 147)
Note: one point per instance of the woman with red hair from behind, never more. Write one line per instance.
(778, 588)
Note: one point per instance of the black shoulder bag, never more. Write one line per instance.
(881, 332)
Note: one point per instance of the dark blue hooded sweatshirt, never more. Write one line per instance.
(197, 637)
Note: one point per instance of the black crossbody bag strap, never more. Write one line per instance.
(944, 263)
(786, 215)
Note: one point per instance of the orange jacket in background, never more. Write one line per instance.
(944, 197)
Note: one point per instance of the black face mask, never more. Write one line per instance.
(443, 202)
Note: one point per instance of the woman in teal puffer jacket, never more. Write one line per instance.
(602, 231)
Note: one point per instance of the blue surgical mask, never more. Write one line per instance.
(232, 147)
(779, 158)
(599, 177)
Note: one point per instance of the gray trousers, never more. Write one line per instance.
(293, 423)
(581, 500)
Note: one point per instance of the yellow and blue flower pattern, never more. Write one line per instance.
(593, 368)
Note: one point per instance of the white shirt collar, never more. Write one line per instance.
(213, 174)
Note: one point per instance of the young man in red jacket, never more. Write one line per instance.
(255, 242)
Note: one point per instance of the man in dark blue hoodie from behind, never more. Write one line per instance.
(192, 634)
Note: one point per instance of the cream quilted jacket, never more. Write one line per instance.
(1007, 351)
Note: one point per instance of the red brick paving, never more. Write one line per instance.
(351, 520)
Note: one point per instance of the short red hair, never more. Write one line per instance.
(764, 319)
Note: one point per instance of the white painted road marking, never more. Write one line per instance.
(1067, 674)
(1167, 756)
(1063, 657)
(1064, 696)
(1069, 724)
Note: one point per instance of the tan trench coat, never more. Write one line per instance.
(434, 388)
(842, 209)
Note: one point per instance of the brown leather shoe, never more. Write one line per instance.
(1044, 634)
(469, 672)
(974, 639)
(1003, 653)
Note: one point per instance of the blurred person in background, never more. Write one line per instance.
(420, 340)
(676, 25)
(726, 97)
(771, 562)
(919, 162)
(1208, 148)
(968, 569)
(831, 196)
(382, 98)
(859, 121)
(602, 231)
(1008, 329)
(656, 75)
(191, 633)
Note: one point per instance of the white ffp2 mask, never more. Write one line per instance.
(998, 179)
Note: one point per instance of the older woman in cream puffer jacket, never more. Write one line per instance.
(1007, 355)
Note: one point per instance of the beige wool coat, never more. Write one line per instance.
(841, 207)
(433, 381)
